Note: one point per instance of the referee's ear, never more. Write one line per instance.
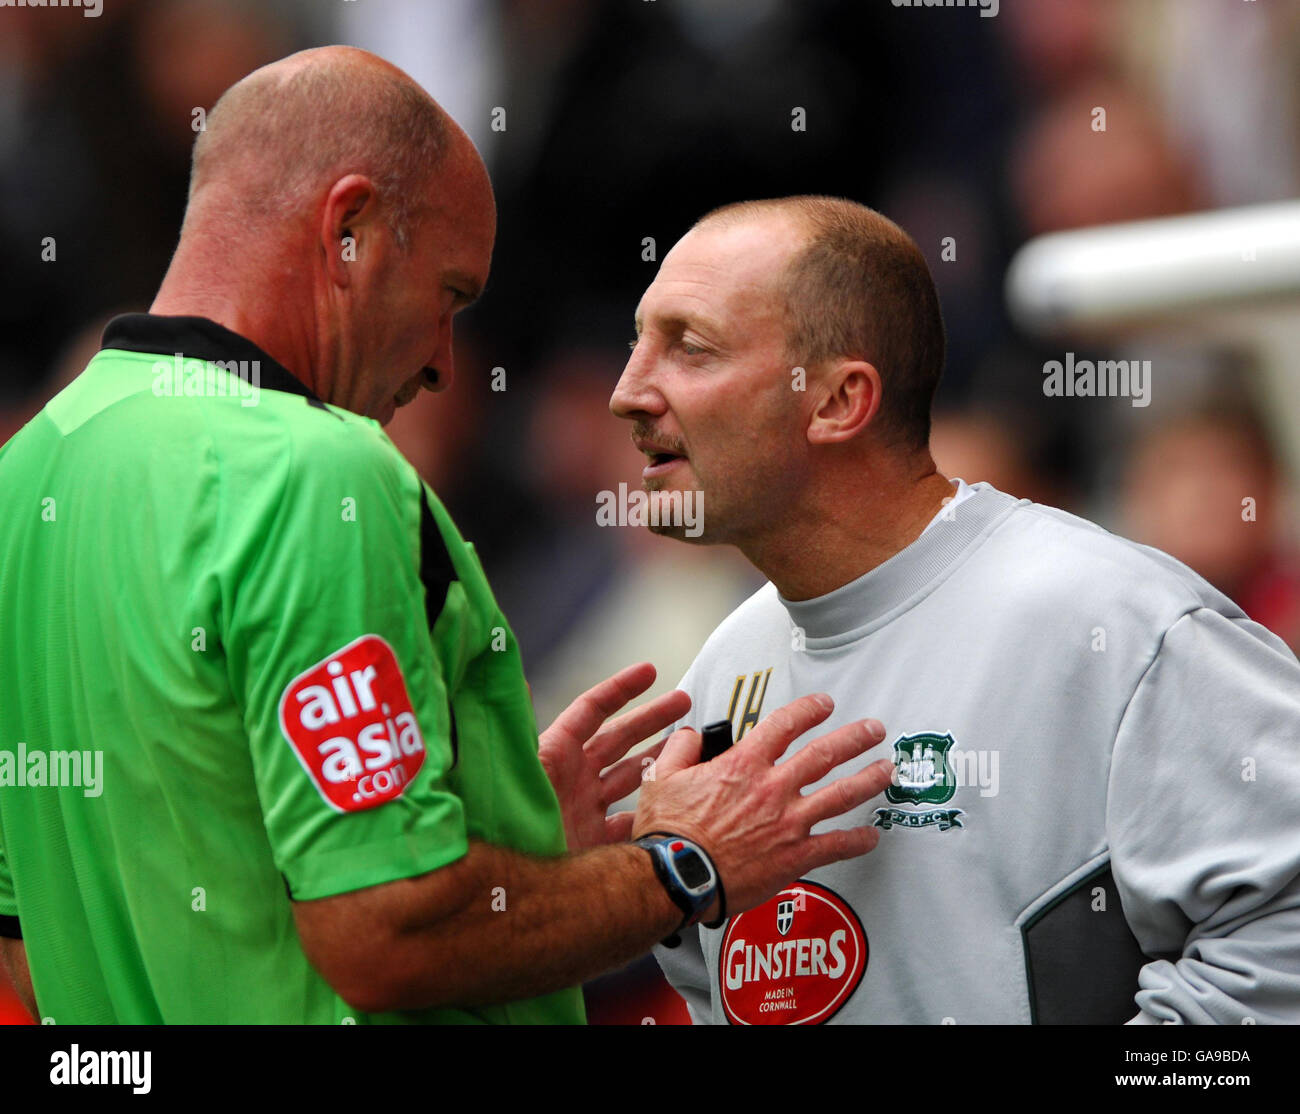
(347, 223)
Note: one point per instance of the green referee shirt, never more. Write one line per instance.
(248, 660)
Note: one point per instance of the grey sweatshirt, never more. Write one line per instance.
(1097, 811)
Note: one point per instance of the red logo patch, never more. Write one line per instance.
(349, 721)
(794, 960)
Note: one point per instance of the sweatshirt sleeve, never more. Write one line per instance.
(1203, 820)
(688, 974)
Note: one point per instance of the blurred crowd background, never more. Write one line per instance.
(626, 120)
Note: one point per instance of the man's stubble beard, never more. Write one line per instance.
(676, 530)
(731, 514)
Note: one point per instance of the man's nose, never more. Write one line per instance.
(635, 395)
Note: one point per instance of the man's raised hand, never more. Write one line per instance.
(586, 757)
(750, 814)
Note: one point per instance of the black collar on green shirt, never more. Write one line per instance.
(200, 339)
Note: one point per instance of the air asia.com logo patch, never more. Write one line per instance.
(794, 960)
(350, 722)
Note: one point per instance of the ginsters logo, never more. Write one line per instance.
(350, 722)
(794, 960)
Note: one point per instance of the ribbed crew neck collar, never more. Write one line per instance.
(845, 613)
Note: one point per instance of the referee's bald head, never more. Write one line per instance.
(339, 218)
(302, 122)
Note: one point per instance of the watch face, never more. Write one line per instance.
(691, 869)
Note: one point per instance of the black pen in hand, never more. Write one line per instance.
(717, 738)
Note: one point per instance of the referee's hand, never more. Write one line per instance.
(585, 753)
(750, 814)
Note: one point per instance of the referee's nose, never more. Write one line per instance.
(442, 368)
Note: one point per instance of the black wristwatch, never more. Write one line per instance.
(686, 872)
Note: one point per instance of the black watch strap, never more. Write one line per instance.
(655, 844)
(666, 880)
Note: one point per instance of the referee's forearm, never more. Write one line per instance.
(497, 926)
(539, 925)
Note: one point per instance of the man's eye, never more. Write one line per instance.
(690, 349)
(634, 342)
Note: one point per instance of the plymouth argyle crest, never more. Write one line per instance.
(924, 776)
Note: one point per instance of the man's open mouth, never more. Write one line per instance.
(661, 463)
(661, 458)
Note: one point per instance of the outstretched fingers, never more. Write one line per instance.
(845, 794)
(582, 719)
(819, 757)
(618, 736)
(621, 778)
(834, 847)
(679, 751)
(773, 736)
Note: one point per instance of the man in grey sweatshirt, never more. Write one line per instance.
(1096, 810)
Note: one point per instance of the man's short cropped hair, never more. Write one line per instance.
(860, 289)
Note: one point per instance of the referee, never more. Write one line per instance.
(267, 753)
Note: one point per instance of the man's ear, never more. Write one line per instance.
(347, 219)
(851, 395)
